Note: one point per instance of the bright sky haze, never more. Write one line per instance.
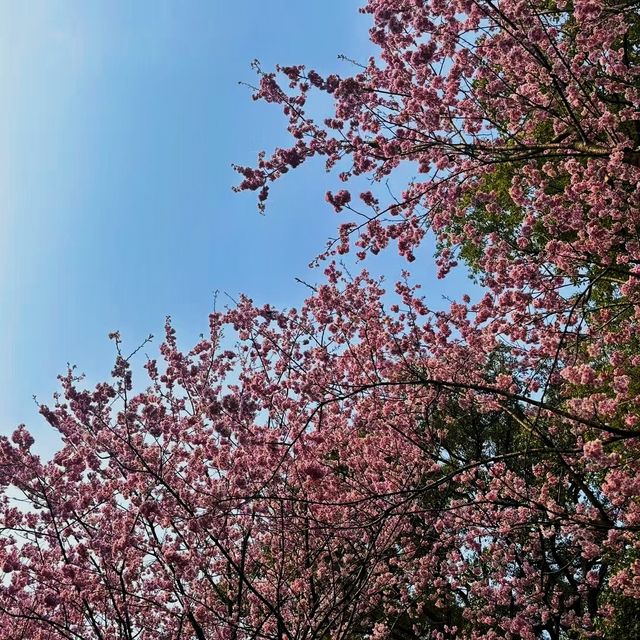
(119, 124)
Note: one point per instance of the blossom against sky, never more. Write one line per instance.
(119, 124)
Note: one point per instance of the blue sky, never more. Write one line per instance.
(119, 122)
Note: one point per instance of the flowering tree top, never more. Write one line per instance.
(366, 466)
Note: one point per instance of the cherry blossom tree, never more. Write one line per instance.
(369, 465)
(522, 118)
